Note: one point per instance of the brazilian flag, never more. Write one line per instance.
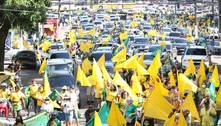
(103, 114)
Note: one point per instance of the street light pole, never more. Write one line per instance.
(219, 8)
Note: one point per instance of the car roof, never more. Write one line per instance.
(197, 47)
(57, 61)
(59, 51)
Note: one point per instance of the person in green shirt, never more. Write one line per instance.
(130, 110)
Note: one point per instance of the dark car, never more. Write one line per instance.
(27, 58)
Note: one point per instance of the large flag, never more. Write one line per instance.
(86, 66)
(172, 79)
(43, 66)
(170, 121)
(103, 114)
(215, 77)
(121, 56)
(189, 104)
(136, 87)
(105, 73)
(155, 65)
(212, 92)
(190, 69)
(185, 84)
(131, 63)
(218, 99)
(123, 36)
(156, 106)
(115, 117)
(97, 120)
(118, 80)
(201, 73)
(141, 70)
(81, 77)
(141, 61)
(46, 86)
(182, 120)
(101, 61)
(97, 76)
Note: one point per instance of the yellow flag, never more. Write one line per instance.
(201, 73)
(86, 66)
(118, 80)
(105, 73)
(218, 99)
(82, 78)
(185, 84)
(190, 68)
(86, 46)
(182, 121)
(121, 56)
(155, 65)
(134, 24)
(106, 40)
(215, 77)
(55, 104)
(161, 88)
(131, 63)
(43, 66)
(156, 106)
(172, 79)
(97, 76)
(101, 61)
(189, 104)
(115, 117)
(140, 69)
(123, 36)
(171, 121)
(46, 45)
(46, 86)
(97, 120)
(136, 87)
(141, 61)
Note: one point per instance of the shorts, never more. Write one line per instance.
(68, 116)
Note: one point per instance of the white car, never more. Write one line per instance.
(197, 53)
(216, 55)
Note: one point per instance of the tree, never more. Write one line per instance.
(25, 14)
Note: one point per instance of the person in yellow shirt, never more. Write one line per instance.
(33, 91)
(111, 93)
(17, 100)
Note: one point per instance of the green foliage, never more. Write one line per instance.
(25, 14)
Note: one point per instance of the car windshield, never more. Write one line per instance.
(216, 51)
(195, 51)
(58, 67)
(97, 56)
(60, 55)
(174, 34)
(56, 47)
(148, 57)
(60, 81)
(155, 48)
(141, 41)
(180, 41)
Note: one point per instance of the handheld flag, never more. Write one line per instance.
(43, 66)
(156, 106)
(86, 66)
(185, 84)
(82, 78)
(97, 120)
(115, 117)
(155, 65)
(190, 105)
(190, 68)
(121, 56)
(215, 77)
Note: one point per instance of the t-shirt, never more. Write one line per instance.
(47, 107)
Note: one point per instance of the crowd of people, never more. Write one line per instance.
(136, 89)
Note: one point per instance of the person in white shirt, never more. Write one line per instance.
(47, 106)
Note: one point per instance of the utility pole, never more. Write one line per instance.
(59, 16)
(219, 7)
(195, 13)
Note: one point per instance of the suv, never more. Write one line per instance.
(197, 53)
